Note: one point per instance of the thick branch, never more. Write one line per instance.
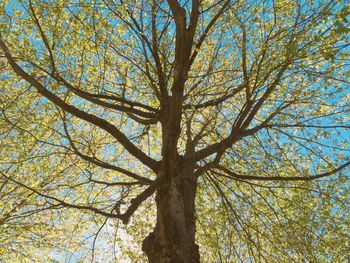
(101, 163)
(97, 121)
(136, 202)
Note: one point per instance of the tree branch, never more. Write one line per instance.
(125, 217)
(102, 163)
(283, 178)
(93, 119)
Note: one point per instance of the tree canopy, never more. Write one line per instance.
(243, 105)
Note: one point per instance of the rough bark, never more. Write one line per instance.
(173, 238)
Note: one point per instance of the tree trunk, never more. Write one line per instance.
(173, 238)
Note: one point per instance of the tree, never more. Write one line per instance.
(106, 104)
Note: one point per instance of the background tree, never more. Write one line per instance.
(231, 107)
